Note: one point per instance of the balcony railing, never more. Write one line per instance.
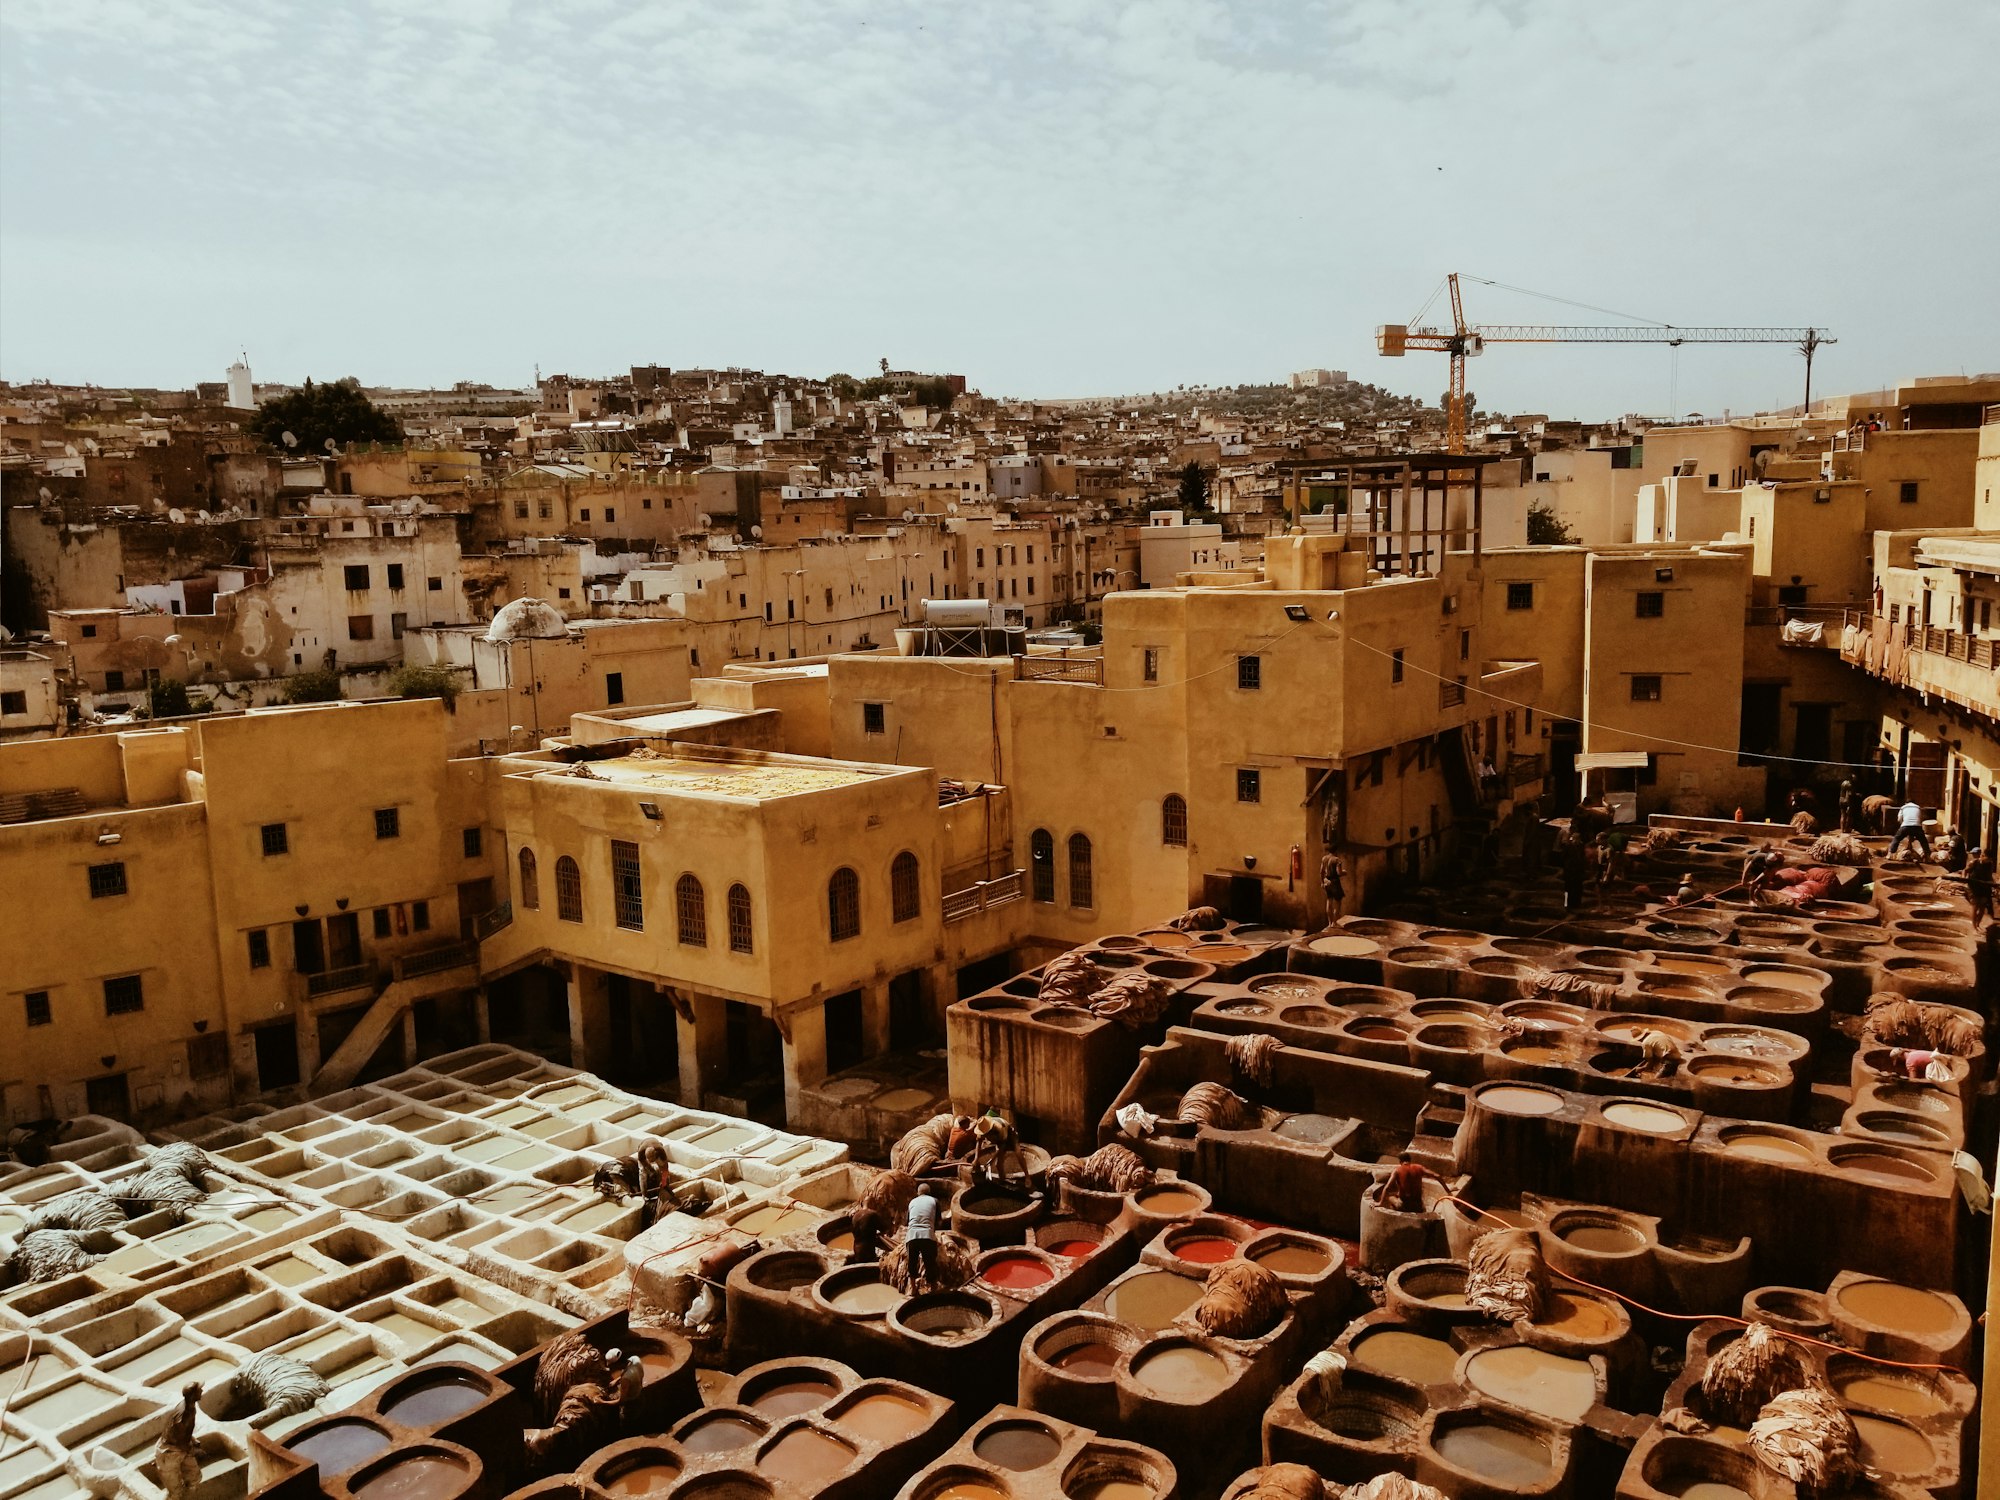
(1088, 669)
(1451, 694)
(433, 961)
(1522, 769)
(985, 894)
(334, 981)
(489, 922)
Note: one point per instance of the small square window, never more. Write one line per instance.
(357, 578)
(610, 513)
(1652, 604)
(388, 823)
(275, 839)
(584, 514)
(39, 1011)
(260, 948)
(90, 632)
(1906, 492)
(395, 575)
(520, 510)
(14, 703)
(114, 682)
(435, 585)
(124, 995)
(873, 719)
(474, 841)
(1249, 672)
(1249, 786)
(420, 916)
(382, 922)
(562, 593)
(1646, 689)
(1520, 596)
(1396, 665)
(361, 627)
(107, 879)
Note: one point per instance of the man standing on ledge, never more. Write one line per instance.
(1333, 881)
(920, 1238)
(1910, 825)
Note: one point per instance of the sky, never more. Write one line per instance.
(1051, 197)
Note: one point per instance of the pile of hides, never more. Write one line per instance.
(1801, 886)
(923, 1147)
(1071, 978)
(1252, 1056)
(1393, 1487)
(1108, 1169)
(1505, 1276)
(273, 1381)
(1838, 849)
(1214, 1105)
(1285, 1482)
(1658, 840)
(1575, 987)
(1895, 1022)
(888, 1196)
(48, 1255)
(1242, 1300)
(175, 1178)
(1135, 999)
(1198, 919)
(81, 1208)
(952, 1268)
(1748, 1373)
(1808, 1437)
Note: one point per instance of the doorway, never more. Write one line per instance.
(308, 948)
(911, 1020)
(343, 940)
(109, 1095)
(1246, 899)
(846, 1041)
(277, 1055)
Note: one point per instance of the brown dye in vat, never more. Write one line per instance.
(1152, 1299)
(1408, 1356)
(1498, 1455)
(1169, 1200)
(1648, 1117)
(1720, 1070)
(1292, 1260)
(342, 1446)
(1091, 1361)
(1906, 1308)
(1893, 1448)
(1183, 1373)
(790, 1397)
(882, 1418)
(1019, 1446)
(1536, 1054)
(867, 1297)
(1166, 937)
(419, 1478)
(719, 1435)
(1682, 963)
(1871, 1164)
(434, 1403)
(1578, 1317)
(1221, 953)
(1603, 1239)
(1454, 939)
(1906, 1398)
(1713, 1489)
(1519, 1101)
(1115, 1489)
(1343, 947)
(1805, 984)
(1759, 1146)
(970, 1489)
(804, 1455)
(648, 1478)
(1902, 1130)
(1551, 1384)
(1287, 989)
(655, 1365)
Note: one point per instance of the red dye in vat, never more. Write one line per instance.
(1071, 1249)
(1016, 1272)
(1209, 1251)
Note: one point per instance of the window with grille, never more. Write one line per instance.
(1646, 689)
(420, 916)
(627, 890)
(356, 578)
(569, 890)
(843, 905)
(1249, 786)
(873, 719)
(107, 879)
(1081, 892)
(1173, 821)
(388, 823)
(1042, 866)
(474, 842)
(260, 948)
(275, 839)
(529, 893)
(691, 912)
(740, 940)
(1152, 664)
(208, 1056)
(1520, 596)
(39, 1011)
(906, 897)
(124, 995)
(1249, 672)
(1652, 604)
(1396, 665)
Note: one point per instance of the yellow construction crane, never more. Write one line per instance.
(1463, 340)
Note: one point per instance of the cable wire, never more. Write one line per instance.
(1609, 312)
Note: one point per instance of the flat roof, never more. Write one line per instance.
(680, 718)
(748, 780)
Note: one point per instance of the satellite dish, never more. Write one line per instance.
(69, 450)
(290, 440)
(332, 446)
(951, 507)
(757, 531)
(704, 520)
(737, 537)
(90, 445)
(908, 515)
(44, 495)
(174, 516)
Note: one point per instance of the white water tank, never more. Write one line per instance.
(241, 393)
(957, 614)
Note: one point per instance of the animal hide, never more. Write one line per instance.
(1895, 1022)
(47, 1254)
(922, 1147)
(1198, 919)
(1838, 849)
(1505, 1275)
(1108, 1169)
(888, 1194)
(1253, 1056)
(281, 1384)
(569, 1359)
(1808, 1437)
(1071, 978)
(1748, 1372)
(1394, 1487)
(1242, 1300)
(1285, 1482)
(184, 1159)
(1214, 1105)
(954, 1266)
(156, 1188)
(1658, 840)
(586, 1409)
(1575, 987)
(1135, 999)
(82, 1208)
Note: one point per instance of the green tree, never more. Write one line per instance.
(315, 685)
(169, 699)
(1194, 487)
(1546, 529)
(425, 682)
(313, 414)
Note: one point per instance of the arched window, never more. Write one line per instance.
(906, 897)
(691, 911)
(1042, 866)
(1173, 821)
(1080, 893)
(843, 905)
(528, 889)
(569, 890)
(739, 920)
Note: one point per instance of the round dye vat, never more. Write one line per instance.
(841, 1240)
(1535, 1380)
(1071, 1249)
(1648, 1117)
(1342, 946)
(341, 1446)
(1894, 1393)
(1762, 1145)
(790, 1395)
(1687, 963)
(420, 1477)
(992, 1205)
(1713, 1489)
(1878, 1164)
(1907, 1309)
(1243, 1008)
(882, 1418)
(1091, 1361)
(649, 1476)
(1019, 1446)
(1407, 1356)
(1292, 1260)
(1016, 1272)
(1512, 1099)
(867, 1297)
(723, 1434)
(1897, 1127)
(1535, 1054)
(901, 1099)
(1166, 937)
(1379, 1033)
(1579, 1317)
(1208, 1250)
(1169, 1200)
(1114, 1489)
(1286, 987)
(968, 1489)
(435, 1402)
(1893, 1447)
(804, 1456)
(1728, 1070)
(1152, 1299)
(1787, 979)
(1918, 1101)
(1222, 953)
(1183, 1373)
(1602, 1239)
(1500, 1456)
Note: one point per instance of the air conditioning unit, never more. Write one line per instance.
(1451, 604)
